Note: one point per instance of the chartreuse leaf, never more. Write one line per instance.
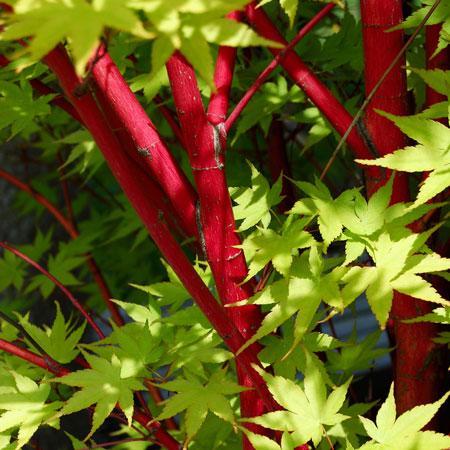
(80, 22)
(396, 268)
(301, 293)
(266, 245)
(320, 203)
(307, 410)
(193, 349)
(276, 347)
(363, 217)
(84, 158)
(356, 356)
(12, 271)
(60, 340)
(135, 346)
(18, 109)
(403, 433)
(437, 79)
(432, 154)
(190, 26)
(255, 203)
(24, 407)
(197, 399)
(103, 385)
(440, 15)
(439, 315)
(290, 8)
(270, 98)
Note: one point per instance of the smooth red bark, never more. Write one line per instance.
(150, 209)
(319, 94)
(205, 142)
(264, 75)
(416, 371)
(148, 145)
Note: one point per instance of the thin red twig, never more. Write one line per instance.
(150, 209)
(73, 233)
(223, 78)
(262, 77)
(57, 283)
(52, 366)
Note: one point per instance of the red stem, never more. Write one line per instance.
(262, 77)
(134, 182)
(223, 79)
(50, 207)
(319, 94)
(57, 283)
(205, 143)
(73, 233)
(52, 366)
(148, 147)
(416, 368)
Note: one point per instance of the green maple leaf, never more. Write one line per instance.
(307, 410)
(104, 385)
(275, 349)
(135, 346)
(195, 347)
(24, 407)
(255, 203)
(266, 245)
(197, 399)
(438, 315)
(60, 340)
(190, 26)
(270, 98)
(356, 356)
(403, 433)
(440, 15)
(12, 271)
(432, 154)
(80, 22)
(321, 204)
(396, 268)
(18, 108)
(84, 158)
(363, 217)
(301, 293)
(173, 292)
(61, 267)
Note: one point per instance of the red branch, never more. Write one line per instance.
(57, 283)
(150, 209)
(223, 78)
(73, 233)
(319, 94)
(262, 77)
(148, 147)
(206, 143)
(52, 366)
(415, 363)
